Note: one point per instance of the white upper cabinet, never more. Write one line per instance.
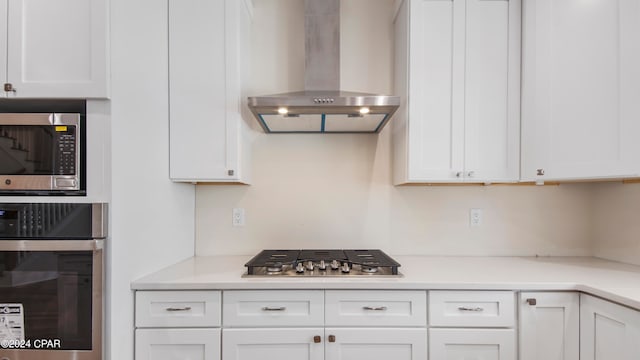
(457, 72)
(54, 48)
(208, 69)
(581, 87)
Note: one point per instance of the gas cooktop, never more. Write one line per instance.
(332, 262)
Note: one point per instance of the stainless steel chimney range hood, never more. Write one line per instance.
(323, 107)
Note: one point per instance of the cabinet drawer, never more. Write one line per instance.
(375, 308)
(263, 308)
(472, 308)
(177, 308)
(462, 344)
(177, 344)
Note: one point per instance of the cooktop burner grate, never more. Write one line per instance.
(322, 262)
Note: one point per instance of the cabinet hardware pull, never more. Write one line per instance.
(532, 302)
(471, 173)
(267, 308)
(475, 309)
(540, 172)
(8, 87)
(186, 308)
(332, 338)
(317, 339)
(372, 308)
(458, 174)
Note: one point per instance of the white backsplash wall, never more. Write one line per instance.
(617, 222)
(335, 191)
(323, 191)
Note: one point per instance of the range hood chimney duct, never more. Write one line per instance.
(322, 107)
(322, 45)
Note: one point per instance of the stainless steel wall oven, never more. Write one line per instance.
(42, 147)
(51, 280)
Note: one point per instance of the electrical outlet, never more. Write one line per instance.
(475, 217)
(238, 218)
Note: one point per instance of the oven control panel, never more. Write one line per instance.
(52, 221)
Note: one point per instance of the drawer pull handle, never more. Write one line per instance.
(332, 338)
(186, 308)
(372, 308)
(532, 302)
(317, 339)
(267, 308)
(474, 309)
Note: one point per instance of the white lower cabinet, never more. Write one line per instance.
(608, 331)
(472, 344)
(324, 325)
(324, 344)
(549, 326)
(177, 344)
(273, 344)
(472, 325)
(382, 325)
(177, 325)
(376, 344)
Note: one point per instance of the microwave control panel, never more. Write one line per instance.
(66, 148)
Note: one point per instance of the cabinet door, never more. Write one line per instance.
(549, 326)
(435, 114)
(491, 90)
(3, 43)
(273, 344)
(177, 344)
(206, 43)
(580, 89)
(472, 344)
(608, 331)
(463, 110)
(58, 48)
(376, 344)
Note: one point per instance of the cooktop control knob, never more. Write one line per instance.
(322, 265)
(310, 265)
(299, 268)
(345, 268)
(335, 265)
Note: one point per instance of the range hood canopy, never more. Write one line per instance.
(323, 107)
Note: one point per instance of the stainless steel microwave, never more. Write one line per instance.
(41, 154)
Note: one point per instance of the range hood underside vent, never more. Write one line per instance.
(323, 112)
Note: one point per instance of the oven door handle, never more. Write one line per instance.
(51, 245)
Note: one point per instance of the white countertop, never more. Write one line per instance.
(614, 281)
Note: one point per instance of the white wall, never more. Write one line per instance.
(152, 219)
(617, 222)
(335, 190)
